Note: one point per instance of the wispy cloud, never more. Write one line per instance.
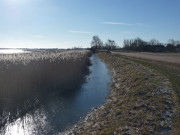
(117, 23)
(140, 24)
(126, 24)
(38, 36)
(81, 32)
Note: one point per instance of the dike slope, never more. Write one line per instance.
(141, 102)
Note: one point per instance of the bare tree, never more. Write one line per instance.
(154, 42)
(172, 41)
(96, 43)
(110, 44)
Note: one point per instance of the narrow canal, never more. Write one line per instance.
(62, 111)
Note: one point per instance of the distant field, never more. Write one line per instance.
(172, 58)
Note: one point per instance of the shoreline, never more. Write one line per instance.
(132, 108)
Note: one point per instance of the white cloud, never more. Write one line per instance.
(81, 32)
(38, 36)
(117, 23)
(121, 23)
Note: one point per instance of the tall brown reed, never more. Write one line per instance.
(37, 74)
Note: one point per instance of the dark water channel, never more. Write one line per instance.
(60, 112)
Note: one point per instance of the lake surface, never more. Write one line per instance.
(12, 51)
(61, 111)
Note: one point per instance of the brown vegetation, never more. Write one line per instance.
(26, 73)
(169, 58)
(25, 79)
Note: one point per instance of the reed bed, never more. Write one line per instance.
(29, 77)
(24, 74)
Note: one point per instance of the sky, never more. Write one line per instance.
(73, 23)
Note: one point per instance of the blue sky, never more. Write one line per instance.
(69, 23)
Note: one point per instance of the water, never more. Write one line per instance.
(12, 51)
(60, 112)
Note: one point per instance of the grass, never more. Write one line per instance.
(169, 71)
(139, 101)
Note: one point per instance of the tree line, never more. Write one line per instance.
(136, 44)
(152, 46)
(97, 44)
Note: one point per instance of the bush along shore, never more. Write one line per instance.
(141, 101)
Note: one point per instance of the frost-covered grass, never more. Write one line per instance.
(172, 72)
(142, 101)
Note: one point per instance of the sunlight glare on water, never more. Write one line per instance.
(60, 111)
(28, 125)
(11, 51)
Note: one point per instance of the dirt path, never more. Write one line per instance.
(141, 102)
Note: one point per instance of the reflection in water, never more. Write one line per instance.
(59, 112)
